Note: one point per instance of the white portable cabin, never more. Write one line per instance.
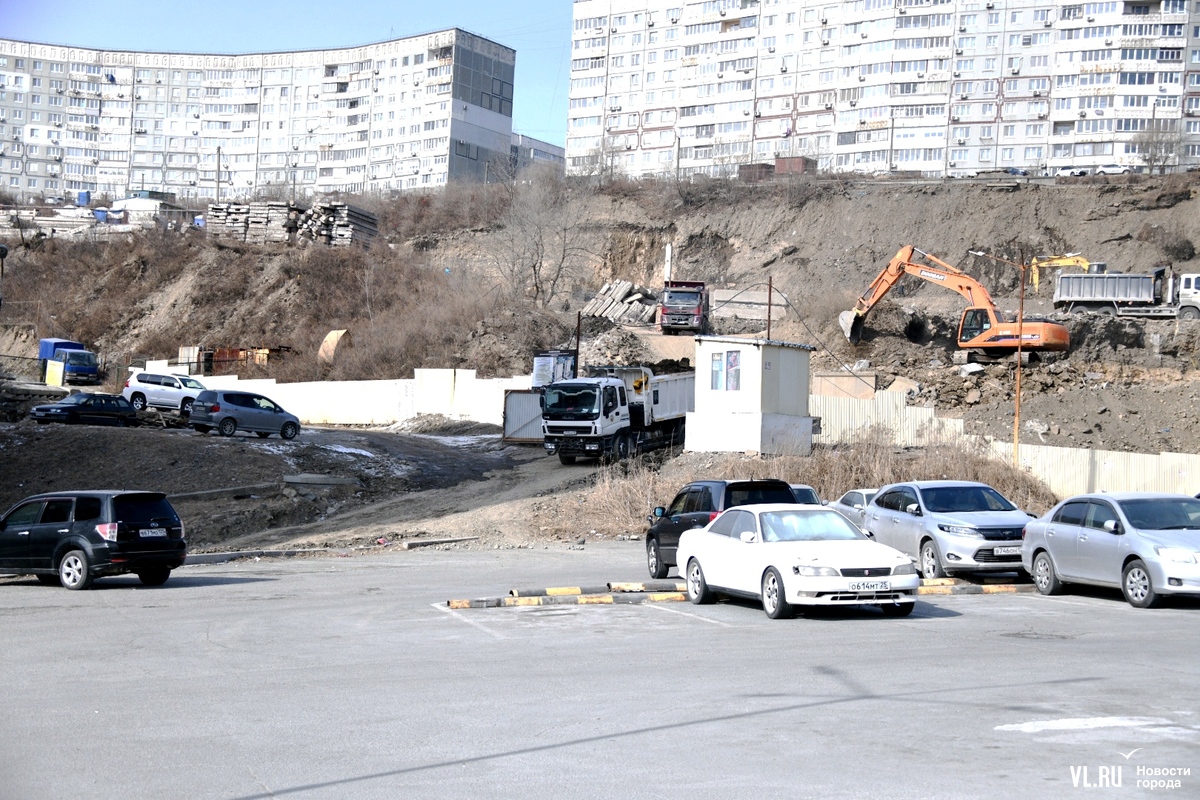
(751, 396)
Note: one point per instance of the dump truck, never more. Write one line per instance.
(683, 307)
(79, 365)
(1157, 294)
(615, 412)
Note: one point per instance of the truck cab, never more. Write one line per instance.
(78, 364)
(586, 417)
(684, 307)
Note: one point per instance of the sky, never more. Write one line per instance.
(539, 30)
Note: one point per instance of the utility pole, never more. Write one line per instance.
(218, 198)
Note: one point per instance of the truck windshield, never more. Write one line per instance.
(573, 399)
(81, 358)
(677, 298)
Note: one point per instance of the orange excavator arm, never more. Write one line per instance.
(937, 272)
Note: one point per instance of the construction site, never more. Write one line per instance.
(909, 288)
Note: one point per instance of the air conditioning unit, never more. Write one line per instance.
(56, 91)
(1048, 23)
(1108, 41)
(783, 68)
(196, 115)
(1037, 93)
(58, 158)
(962, 28)
(958, 75)
(720, 74)
(862, 122)
(853, 102)
(952, 164)
(920, 74)
(746, 112)
(824, 20)
(825, 43)
(770, 49)
(990, 6)
(95, 161)
(903, 11)
(963, 96)
(1016, 70)
(829, 105)
(139, 80)
(374, 72)
(159, 80)
(721, 12)
(674, 20)
(1041, 116)
(863, 34)
(58, 124)
(139, 130)
(961, 141)
(954, 119)
(1083, 113)
(862, 77)
(958, 51)
(757, 114)
(650, 23)
(628, 147)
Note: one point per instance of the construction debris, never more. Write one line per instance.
(621, 302)
(335, 224)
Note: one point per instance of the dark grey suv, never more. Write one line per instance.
(228, 412)
(697, 504)
(74, 537)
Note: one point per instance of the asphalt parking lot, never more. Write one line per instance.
(349, 677)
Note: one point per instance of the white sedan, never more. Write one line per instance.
(795, 555)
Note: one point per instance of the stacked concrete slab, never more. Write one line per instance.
(623, 303)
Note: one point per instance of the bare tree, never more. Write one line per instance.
(1158, 145)
(540, 247)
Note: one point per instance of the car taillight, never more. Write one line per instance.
(713, 515)
(215, 407)
(126, 384)
(699, 309)
(1022, 534)
(107, 531)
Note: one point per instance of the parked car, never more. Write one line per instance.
(853, 505)
(786, 555)
(948, 526)
(1147, 544)
(228, 412)
(144, 389)
(96, 409)
(1112, 169)
(1016, 171)
(74, 537)
(698, 504)
(806, 494)
(1071, 172)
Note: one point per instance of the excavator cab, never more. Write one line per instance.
(975, 322)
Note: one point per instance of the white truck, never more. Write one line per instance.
(1158, 294)
(615, 412)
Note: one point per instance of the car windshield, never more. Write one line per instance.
(573, 399)
(75, 399)
(951, 499)
(806, 526)
(191, 384)
(677, 298)
(1163, 513)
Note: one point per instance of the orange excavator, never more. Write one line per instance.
(983, 330)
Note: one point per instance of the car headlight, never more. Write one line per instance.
(905, 569)
(960, 530)
(1176, 554)
(816, 572)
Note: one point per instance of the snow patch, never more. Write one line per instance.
(1082, 724)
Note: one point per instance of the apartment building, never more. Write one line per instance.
(875, 86)
(402, 114)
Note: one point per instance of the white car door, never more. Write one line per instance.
(742, 563)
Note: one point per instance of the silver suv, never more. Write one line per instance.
(228, 412)
(948, 526)
(145, 389)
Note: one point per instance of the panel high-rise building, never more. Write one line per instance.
(940, 88)
(401, 114)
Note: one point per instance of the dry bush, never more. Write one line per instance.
(459, 206)
(623, 495)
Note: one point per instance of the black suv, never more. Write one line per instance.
(74, 537)
(698, 504)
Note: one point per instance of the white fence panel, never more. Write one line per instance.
(1072, 470)
(844, 419)
(523, 416)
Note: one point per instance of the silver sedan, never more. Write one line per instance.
(1147, 544)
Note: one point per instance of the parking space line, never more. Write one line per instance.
(687, 614)
(441, 607)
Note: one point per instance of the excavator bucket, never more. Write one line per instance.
(851, 325)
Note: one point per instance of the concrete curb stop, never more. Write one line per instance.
(648, 586)
(620, 598)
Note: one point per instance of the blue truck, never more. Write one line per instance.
(79, 363)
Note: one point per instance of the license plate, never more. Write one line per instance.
(869, 586)
(1008, 551)
(152, 532)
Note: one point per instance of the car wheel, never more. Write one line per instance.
(49, 580)
(1044, 577)
(289, 430)
(154, 577)
(74, 572)
(185, 408)
(1137, 586)
(263, 434)
(697, 589)
(931, 561)
(897, 609)
(654, 562)
(774, 600)
(1189, 312)
(566, 459)
(72, 418)
(138, 401)
(202, 428)
(228, 427)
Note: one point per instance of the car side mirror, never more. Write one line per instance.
(914, 509)
(1112, 526)
(824, 502)
(747, 536)
(659, 512)
(859, 506)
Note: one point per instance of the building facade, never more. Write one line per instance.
(402, 114)
(929, 86)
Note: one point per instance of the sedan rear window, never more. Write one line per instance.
(753, 495)
(806, 526)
